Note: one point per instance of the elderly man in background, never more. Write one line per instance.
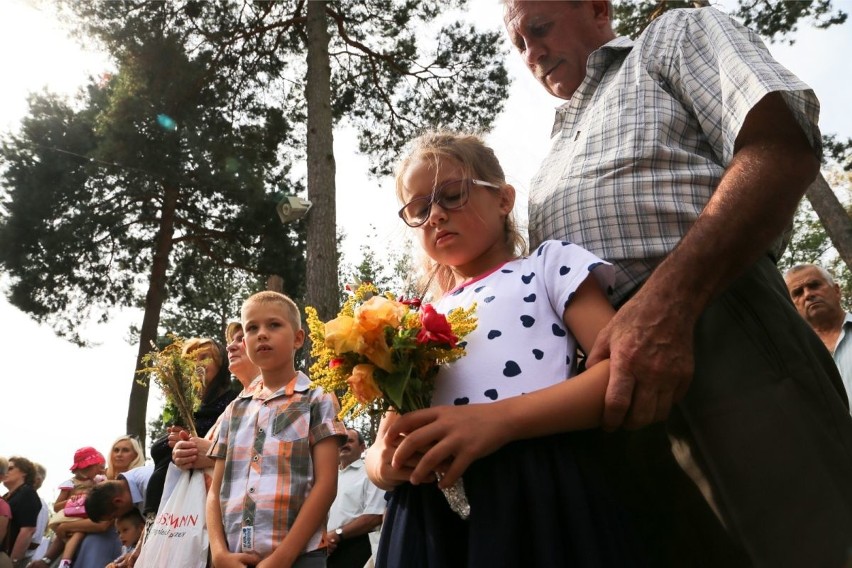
(818, 299)
(680, 157)
(357, 510)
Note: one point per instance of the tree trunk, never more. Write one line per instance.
(321, 277)
(834, 218)
(153, 304)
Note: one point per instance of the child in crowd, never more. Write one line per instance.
(88, 469)
(129, 527)
(275, 475)
(533, 501)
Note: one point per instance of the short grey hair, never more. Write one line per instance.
(800, 267)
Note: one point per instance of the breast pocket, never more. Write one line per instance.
(292, 423)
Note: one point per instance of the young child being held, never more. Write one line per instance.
(275, 475)
(129, 527)
(501, 413)
(88, 469)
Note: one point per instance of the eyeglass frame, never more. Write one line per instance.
(435, 197)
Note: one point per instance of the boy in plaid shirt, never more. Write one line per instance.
(276, 454)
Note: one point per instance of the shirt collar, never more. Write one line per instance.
(300, 383)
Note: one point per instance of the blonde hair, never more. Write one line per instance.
(204, 344)
(138, 462)
(233, 329)
(281, 300)
(477, 160)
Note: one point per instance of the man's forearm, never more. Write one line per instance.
(755, 200)
(360, 525)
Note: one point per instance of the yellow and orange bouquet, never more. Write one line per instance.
(383, 352)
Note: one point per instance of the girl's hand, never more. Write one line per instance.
(446, 439)
(380, 455)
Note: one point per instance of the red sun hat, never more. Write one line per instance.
(84, 457)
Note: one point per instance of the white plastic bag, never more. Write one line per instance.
(178, 537)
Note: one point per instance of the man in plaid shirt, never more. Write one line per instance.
(276, 454)
(680, 158)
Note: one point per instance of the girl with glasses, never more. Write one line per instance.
(502, 414)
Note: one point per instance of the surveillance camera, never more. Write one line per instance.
(292, 208)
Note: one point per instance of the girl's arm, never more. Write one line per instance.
(59, 504)
(314, 511)
(458, 435)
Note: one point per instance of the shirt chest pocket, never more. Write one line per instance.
(292, 423)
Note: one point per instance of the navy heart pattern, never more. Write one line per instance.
(558, 331)
(461, 401)
(594, 265)
(494, 333)
(491, 393)
(489, 299)
(478, 290)
(527, 278)
(511, 369)
(527, 321)
(563, 270)
(540, 250)
(567, 360)
(530, 298)
(462, 344)
(568, 301)
(457, 292)
(507, 271)
(538, 354)
(566, 243)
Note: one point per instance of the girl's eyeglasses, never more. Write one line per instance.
(450, 195)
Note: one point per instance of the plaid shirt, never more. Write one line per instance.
(266, 440)
(639, 149)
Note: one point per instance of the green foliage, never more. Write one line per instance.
(773, 19)
(86, 184)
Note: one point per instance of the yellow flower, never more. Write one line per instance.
(363, 385)
(343, 334)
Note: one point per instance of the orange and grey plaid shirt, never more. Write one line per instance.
(266, 439)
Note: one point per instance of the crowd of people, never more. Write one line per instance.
(703, 421)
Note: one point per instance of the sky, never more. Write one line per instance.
(56, 397)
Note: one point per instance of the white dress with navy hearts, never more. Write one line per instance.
(520, 344)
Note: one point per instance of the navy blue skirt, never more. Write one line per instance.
(533, 503)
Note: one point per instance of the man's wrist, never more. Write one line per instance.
(339, 532)
(47, 560)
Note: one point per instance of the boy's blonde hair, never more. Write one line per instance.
(478, 161)
(269, 297)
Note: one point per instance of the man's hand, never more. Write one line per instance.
(650, 346)
(332, 539)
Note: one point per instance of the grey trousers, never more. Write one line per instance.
(754, 465)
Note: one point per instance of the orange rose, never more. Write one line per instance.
(363, 385)
(343, 334)
(377, 313)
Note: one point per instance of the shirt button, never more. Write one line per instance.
(260, 430)
(251, 490)
(254, 458)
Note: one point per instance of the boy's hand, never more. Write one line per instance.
(446, 439)
(190, 453)
(230, 559)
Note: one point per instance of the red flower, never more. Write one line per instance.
(413, 303)
(436, 328)
(336, 362)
